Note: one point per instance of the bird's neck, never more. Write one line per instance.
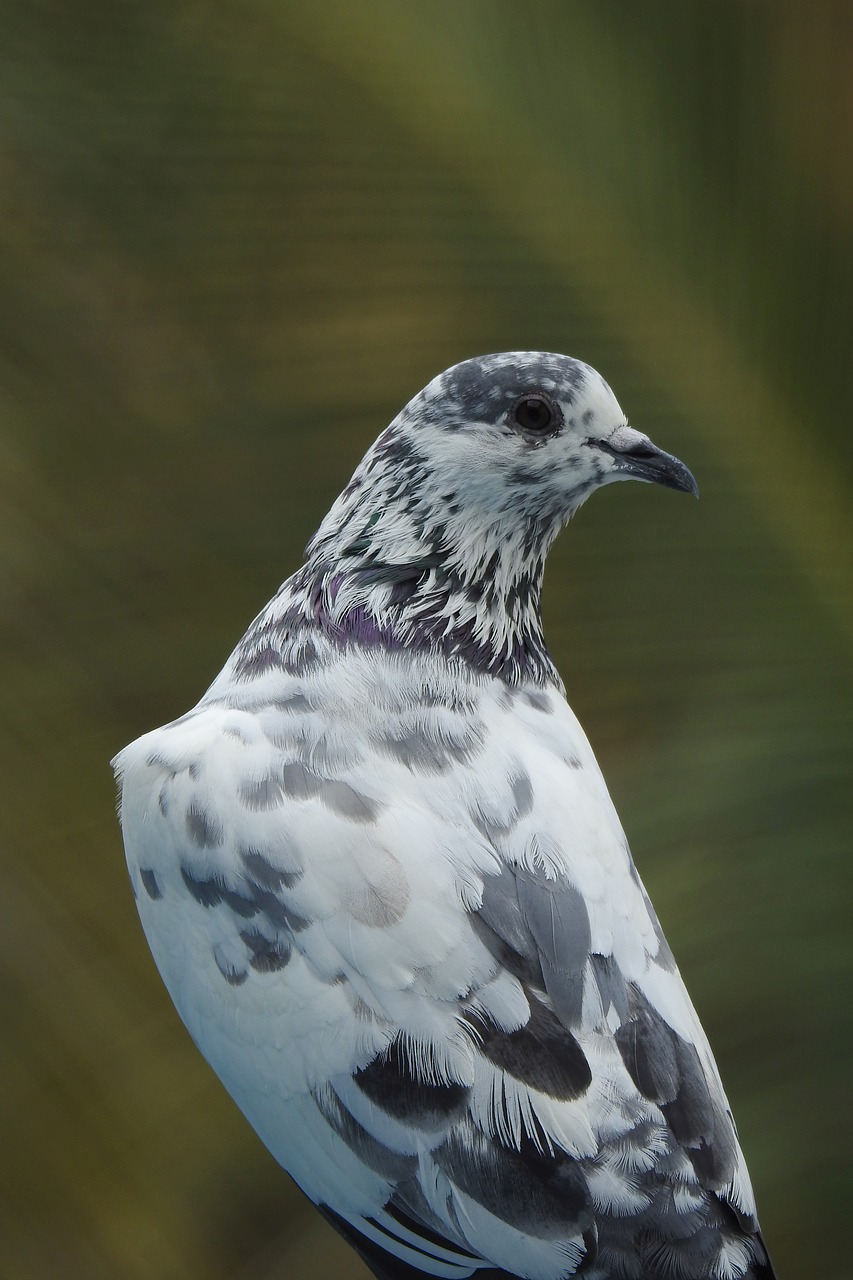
(381, 572)
(405, 563)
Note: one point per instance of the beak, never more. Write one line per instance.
(636, 458)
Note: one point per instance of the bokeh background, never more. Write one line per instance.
(236, 236)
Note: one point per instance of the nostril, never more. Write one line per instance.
(641, 450)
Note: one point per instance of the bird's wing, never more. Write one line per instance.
(438, 992)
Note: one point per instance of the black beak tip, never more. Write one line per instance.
(661, 467)
(645, 461)
(687, 482)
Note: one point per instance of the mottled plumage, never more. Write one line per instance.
(385, 885)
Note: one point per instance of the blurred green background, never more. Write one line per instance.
(236, 236)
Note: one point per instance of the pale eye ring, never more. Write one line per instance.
(536, 415)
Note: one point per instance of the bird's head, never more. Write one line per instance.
(452, 510)
(526, 434)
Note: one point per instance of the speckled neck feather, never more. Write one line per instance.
(385, 569)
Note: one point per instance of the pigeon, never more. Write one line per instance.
(385, 885)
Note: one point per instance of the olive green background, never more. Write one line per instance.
(236, 236)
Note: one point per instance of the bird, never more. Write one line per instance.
(384, 883)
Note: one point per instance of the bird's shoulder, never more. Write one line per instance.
(394, 817)
(360, 754)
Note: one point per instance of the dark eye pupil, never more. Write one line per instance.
(533, 414)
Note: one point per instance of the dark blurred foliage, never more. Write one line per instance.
(236, 236)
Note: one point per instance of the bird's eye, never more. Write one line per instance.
(535, 415)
